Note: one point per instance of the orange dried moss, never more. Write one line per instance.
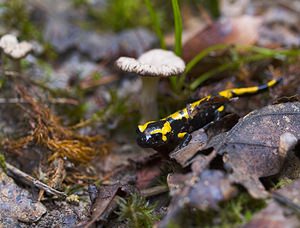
(60, 140)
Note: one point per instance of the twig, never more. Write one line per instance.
(29, 179)
(57, 178)
(286, 201)
(157, 190)
(17, 75)
(51, 100)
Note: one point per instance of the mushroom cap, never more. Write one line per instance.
(13, 48)
(156, 62)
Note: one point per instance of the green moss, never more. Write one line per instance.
(79, 3)
(119, 15)
(212, 6)
(2, 162)
(283, 182)
(137, 212)
(17, 16)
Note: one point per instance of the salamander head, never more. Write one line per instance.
(153, 134)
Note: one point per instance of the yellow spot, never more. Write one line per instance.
(271, 83)
(196, 103)
(221, 108)
(176, 116)
(226, 93)
(143, 127)
(181, 135)
(164, 130)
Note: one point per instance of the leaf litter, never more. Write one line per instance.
(248, 152)
(215, 164)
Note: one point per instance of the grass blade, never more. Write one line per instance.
(155, 23)
(178, 27)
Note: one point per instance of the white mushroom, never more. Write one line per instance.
(11, 47)
(151, 66)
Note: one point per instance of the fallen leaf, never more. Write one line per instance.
(212, 188)
(272, 216)
(203, 191)
(280, 211)
(290, 192)
(184, 156)
(188, 154)
(241, 30)
(250, 148)
(104, 200)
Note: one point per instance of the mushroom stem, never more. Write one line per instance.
(148, 101)
(16, 65)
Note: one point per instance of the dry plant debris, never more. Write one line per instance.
(241, 31)
(105, 199)
(281, 211)
(61, 141)
(251, 147)
(202, 190)
(185, 156)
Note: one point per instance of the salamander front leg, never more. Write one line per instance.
(185, 140)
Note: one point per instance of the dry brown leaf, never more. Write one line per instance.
(203, 191)
(241, 30)
(281, 211)
(251, 147)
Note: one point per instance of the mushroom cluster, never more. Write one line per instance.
(152, 66)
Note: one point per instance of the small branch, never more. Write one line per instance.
(16, 75)
(29, 179)
(157, 190)
(286, 201)
(51, 101)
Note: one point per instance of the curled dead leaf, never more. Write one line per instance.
(241, 30)
(251, 146)
(280, 211)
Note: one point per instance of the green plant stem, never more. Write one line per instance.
(178, 83)
(201, 55)
(178, 27)
(225, 67)
(258, 54)
(155, 23)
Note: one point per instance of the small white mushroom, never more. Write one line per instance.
(12, 48)
(151, 66)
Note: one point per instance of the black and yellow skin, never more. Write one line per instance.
(167, 133)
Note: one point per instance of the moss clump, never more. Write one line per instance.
(17, 16)
(137, 212)
(125, 14)
(2, 162)
(61, 141)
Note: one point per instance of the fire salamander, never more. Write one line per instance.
(167, 133)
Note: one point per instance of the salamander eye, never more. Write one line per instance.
(156, 137)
